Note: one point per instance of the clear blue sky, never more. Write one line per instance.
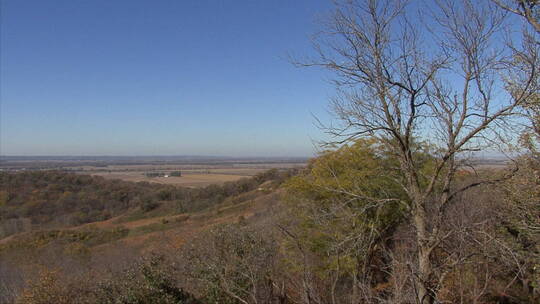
(165, 77)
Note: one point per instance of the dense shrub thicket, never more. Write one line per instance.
(149, 280)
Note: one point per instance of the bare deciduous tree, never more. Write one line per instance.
(445, 77)
(234, 264)
(528, 9)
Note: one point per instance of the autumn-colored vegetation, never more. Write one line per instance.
(396, 211)
(52, 199)
(324, 241)
(53, 250)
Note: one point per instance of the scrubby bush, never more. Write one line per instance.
(151, 280)
(233, 264)
(148, 204)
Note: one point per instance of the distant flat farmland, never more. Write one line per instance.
(187, 179)
(192, 175)
(196, 171)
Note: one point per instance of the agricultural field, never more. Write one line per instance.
(194, 172)
(186, 180)
(191, 176)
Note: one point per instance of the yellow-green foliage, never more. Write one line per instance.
(344, 202)
(359, 176)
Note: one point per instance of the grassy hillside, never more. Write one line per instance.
(122, 220)
(51, 199)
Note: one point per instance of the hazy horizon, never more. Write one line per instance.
(184, 156)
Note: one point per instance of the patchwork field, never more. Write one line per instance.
(187, 179)
(192, 175)
(194, 171)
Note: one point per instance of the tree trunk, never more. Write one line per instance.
(424, 293)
